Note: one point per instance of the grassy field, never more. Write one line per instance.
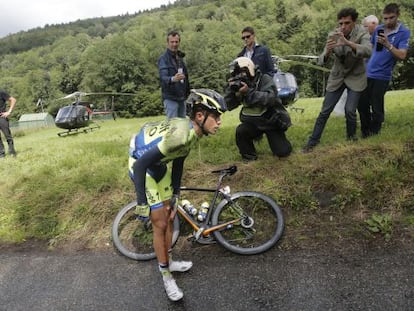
(67, 190)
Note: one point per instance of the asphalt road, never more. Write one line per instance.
(375, 279)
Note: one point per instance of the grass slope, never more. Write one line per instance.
(67, 190)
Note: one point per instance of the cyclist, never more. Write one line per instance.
(157, 184)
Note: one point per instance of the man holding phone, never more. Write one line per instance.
(390, 42)
(349, 46)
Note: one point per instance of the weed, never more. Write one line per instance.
(380, 224)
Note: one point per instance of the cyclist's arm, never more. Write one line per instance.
(176, 174)
(140, 167)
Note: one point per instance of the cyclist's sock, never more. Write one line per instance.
(165, 270)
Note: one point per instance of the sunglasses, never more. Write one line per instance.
(389, 18)
(246, 37)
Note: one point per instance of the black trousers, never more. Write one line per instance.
(371, 107)
(247, 133)
(5, 128)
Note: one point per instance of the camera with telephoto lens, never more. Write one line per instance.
(235, 84)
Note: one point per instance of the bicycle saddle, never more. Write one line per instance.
(227, 171)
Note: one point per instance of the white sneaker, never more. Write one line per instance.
(172, 290)
(180, 266)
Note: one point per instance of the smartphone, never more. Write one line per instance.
(334, 36)
(379, 46)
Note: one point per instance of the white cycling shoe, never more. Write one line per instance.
(172, 290)
(180, 266)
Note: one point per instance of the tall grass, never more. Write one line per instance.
(70, 188)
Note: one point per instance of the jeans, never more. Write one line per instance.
(174, 109)
(371, 107)
(328, 105)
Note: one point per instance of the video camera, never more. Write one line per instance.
(235, 83)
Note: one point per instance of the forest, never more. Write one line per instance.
(120, 53)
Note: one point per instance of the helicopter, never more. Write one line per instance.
(77, 117)
(287, 87)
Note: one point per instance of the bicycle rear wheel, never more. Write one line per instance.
(133, 237)
(259, 224)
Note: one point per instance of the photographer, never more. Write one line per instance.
(262, 111)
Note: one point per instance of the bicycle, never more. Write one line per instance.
(244, 222)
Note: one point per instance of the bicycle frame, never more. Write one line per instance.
(204, 228)
(243, 222)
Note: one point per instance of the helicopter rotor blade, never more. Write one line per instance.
(304, 56)
(313, 66)
(78, 94)
(73, 95)
(109, 93)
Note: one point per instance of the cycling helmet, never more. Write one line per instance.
(242, 64)
(206, 99)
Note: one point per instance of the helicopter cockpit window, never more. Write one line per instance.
(285, 80)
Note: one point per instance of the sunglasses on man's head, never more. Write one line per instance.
(246, 37)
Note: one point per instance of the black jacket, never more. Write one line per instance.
(168, 65)
(261, 106)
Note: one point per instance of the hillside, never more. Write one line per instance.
(66, 191)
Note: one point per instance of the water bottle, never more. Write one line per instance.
(189, 207)
(225, 190)
(202, 213)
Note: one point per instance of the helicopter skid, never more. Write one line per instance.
(78, 130)
(297, 109)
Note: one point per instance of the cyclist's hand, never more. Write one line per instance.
(173, 205)
(142, 212)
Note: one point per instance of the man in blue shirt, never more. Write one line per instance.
(175, 86)
(390, 43)
(259, 54)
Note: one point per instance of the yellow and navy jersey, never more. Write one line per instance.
(174, 137)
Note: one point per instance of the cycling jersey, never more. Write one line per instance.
(156, 144)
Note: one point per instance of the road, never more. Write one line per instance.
(375, 279)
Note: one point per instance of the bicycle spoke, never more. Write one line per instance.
(133, 237)
(257, 230)
(134, 234)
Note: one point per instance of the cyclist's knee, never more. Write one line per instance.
(159, 220)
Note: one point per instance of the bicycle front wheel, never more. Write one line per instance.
(255, 223)
(133, 237)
